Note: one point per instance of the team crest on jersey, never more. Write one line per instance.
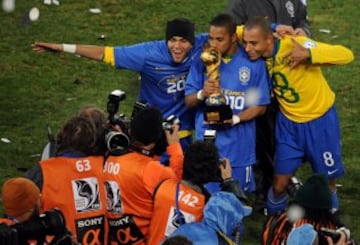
(290, 8)
(244, 75)
(86, 194)
(113, 197)
(309, 44)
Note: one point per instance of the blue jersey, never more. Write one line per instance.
(236, 78)
(162, 80)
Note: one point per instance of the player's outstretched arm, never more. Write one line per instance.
(88, 51)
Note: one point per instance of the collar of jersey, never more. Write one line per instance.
(71, 154)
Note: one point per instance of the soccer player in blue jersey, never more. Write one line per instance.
(307, 126)
(238, 77)
(163, 66)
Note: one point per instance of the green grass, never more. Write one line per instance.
(40, 89)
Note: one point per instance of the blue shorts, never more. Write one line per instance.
(317, 141)
(244, 175)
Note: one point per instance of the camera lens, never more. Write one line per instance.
(116, 142)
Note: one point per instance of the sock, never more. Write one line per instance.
(274, 204)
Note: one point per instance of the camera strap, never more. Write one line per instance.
(179, 216)
(141, 151)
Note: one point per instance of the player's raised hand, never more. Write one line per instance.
(282, 30)
(299, 54)
(300, 32)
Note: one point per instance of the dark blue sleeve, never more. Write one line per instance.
(195, 79)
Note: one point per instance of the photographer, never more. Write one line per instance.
(72, 181)
(21, 200)
(132, 178)
(306, 235)
(201, 165)
(22, 223)
(311, 205)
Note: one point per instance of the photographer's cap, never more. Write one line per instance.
(314, 193)
(19, 195)
(302, 235)
(180, 27)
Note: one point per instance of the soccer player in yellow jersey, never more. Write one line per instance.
(307, 126)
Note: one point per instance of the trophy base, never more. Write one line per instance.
(218, 114)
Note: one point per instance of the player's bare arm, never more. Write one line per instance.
(88, 51)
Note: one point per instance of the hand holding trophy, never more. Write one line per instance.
(216, 110)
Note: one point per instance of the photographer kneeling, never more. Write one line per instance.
(22, 223)
(132, 178)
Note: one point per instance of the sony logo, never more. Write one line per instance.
(90, 222)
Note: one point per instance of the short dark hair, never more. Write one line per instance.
(146, 126)
(263, 23)
(224, 20)
(201, 162)
(77, 135)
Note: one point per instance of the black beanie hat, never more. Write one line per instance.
(182, 28)
(146, 126)
(315, 193)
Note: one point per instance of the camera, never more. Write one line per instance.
(117, 140)
(51, 222)
(335, 235)
(169, 122)
(293, 186)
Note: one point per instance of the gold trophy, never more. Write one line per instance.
(216, 110)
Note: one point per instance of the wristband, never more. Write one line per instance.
(199, 95)
(228, 179)
(235, 119)
(69, 48)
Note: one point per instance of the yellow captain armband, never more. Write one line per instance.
(109, 56)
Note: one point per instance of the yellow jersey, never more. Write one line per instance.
(303, 92)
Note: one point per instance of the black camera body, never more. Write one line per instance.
(51, 222)
(114, 141)
(294, 186)
(169, 122)
(333, 234)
